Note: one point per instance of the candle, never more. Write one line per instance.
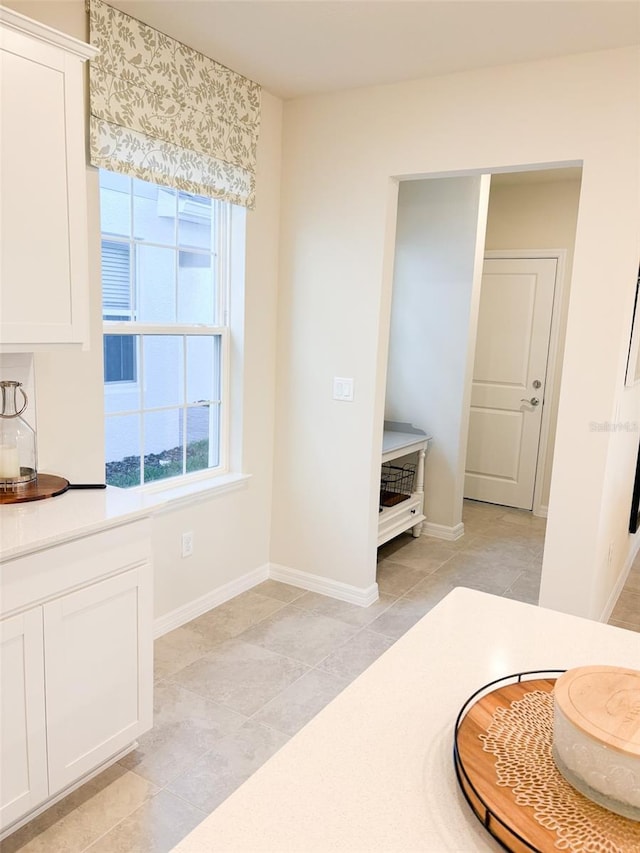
(9, 461)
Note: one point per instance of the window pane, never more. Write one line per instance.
(196, 288)
(156, 284)
(163, 370)
(154, 213)
(203, 368)
(115, 204)
(116, 281)
(203, 437)
(194, 220)
(119, 358)
(162, 445)
(122, 440)
(122, 395)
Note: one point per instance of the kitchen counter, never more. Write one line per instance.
(374, 771)
(32, 526)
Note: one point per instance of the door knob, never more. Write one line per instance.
(532, 402)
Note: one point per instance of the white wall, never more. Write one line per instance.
(231, 531)
(340, 152)
(539, 216)
(433, 326)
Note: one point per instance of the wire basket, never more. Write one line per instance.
(396, 483)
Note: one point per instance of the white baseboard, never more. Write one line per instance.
(622, 579)
(541, 511)
(182, 615)
(317, 583)
(442, 531)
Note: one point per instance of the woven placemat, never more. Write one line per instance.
(520, 737)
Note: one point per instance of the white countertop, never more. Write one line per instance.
(27, 527)
(374, 770)
(31, 526)
(392, 440)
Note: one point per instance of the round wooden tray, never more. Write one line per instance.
(513, 825)
(44, 486)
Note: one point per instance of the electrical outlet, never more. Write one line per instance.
(187, 544)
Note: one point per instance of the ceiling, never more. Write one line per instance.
(300, 47)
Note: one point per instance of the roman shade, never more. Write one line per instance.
(163, 112)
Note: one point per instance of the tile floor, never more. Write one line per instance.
(235, 684)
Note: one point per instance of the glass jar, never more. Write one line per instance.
(18, 461)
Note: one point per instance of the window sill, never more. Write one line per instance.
(176, 497)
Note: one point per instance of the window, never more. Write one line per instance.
(165, 259)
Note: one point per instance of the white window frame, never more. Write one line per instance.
(226, 217)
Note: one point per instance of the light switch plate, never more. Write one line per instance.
(343, 389)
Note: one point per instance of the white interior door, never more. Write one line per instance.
(507, 398)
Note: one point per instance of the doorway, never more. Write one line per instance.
(445, 227)
(520, 337)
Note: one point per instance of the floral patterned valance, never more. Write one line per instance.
(163, 112)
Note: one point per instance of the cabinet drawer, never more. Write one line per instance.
(35, 578)
(396, 519)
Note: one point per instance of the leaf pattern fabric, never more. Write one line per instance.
(163, 112)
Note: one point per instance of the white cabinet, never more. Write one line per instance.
(409, 513)
(23, 757)
(43, 206)
(77, 668)
(93, 662)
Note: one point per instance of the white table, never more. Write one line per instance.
(409, 514)
(373, 771)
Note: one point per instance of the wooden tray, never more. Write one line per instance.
(44, 486)
(514, 826)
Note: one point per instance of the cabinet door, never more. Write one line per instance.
(23, 748)
(98, 660)
(42, 194)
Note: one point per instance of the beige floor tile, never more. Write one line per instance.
(498, 549)
(301, 635)
(627, 608)
(185, 725)
(219, 772)
(74, 823)
(493, 576)
(402, 615)
(177, 649)
(300, 702)
(459, 544)
(430, 591)
(394, 579)
(424, 555)
(477, 525)
(280, 591)
(526, 587)
(155, 827)
(352, 614)
(235, 616)
(523, 519)
(632, 583)
(624, 625)
(356, 654)
(242, 676)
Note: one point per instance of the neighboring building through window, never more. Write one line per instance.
(165, 290)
